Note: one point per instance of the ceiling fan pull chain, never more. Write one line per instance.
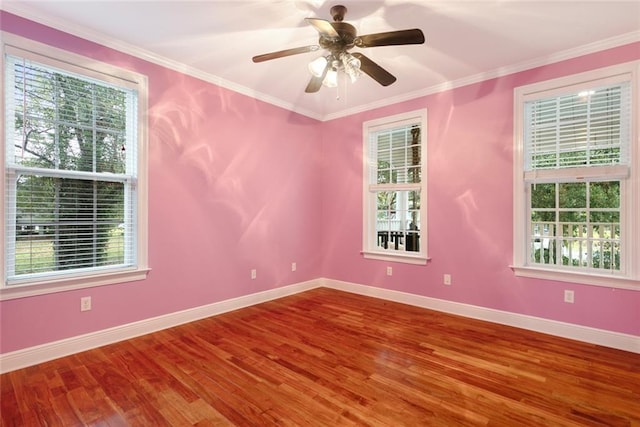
(345, 83)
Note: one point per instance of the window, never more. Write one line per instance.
(74, 172)
(394, 188)
(576, 179)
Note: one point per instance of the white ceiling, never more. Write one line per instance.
(466, 41)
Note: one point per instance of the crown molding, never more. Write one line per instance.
(598, 46)
(23, 10)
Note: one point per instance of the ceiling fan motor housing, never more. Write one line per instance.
(346, 40)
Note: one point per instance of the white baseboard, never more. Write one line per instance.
(42, 353)
(552, 327)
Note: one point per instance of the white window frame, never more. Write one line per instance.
(629, 277)
(369, 235)
(93, 69)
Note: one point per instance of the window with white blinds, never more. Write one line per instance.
(584, 128)
(394, 192)
(575, 177)
(70, 170)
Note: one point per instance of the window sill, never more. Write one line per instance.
(49, 286)
(396, 257)
(604, 280)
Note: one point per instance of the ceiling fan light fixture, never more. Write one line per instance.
(353, 74)
(331, 79)
(351, 66)
(317, 66)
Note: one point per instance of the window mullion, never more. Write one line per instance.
(394, 187)
(56, 124)
(557, 134)
(94, 139)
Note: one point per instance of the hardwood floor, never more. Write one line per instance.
(329, 358)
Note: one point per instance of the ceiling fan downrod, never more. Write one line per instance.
(337, 12)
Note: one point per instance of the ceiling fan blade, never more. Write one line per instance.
(323, 27)
(316, 82)
(414, 36)
(286, 52)
(376, 72)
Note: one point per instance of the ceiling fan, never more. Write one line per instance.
(337, 38)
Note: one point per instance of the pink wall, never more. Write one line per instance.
(237, 184)
(233, 185)
(469, 149)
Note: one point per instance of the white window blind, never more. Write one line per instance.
(70, 172)
(398, 155)
(584, 129)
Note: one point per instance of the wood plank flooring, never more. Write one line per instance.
(329, 358)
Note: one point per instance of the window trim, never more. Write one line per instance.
(106, 72)
(630, 180)
(368, 203)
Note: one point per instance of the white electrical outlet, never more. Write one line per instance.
(293, 266)
(447, 279)
(389, 271)
(254, 273)
(568, 296)
(85, 303)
